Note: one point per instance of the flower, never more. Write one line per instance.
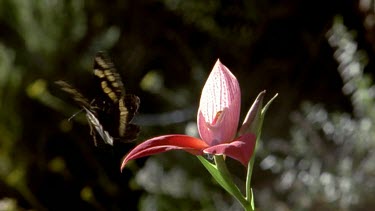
(217, 119)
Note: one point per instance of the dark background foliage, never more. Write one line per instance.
(164, 50)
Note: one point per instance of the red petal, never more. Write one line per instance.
(166, 143)
(240, 149)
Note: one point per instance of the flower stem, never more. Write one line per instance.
(222, 168)
(249, 192)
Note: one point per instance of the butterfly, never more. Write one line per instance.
(110, 113)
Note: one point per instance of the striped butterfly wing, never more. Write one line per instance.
(128, 106)
(116, 109)
(110, 113)
(91, 114)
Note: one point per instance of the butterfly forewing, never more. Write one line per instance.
(90, 112)
(109, 79)
(115, 100)
(74, 93)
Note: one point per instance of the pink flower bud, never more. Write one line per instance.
(219, 107)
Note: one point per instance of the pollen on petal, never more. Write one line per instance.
(217, 117)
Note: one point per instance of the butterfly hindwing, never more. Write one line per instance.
(128, 106)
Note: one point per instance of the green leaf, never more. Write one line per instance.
(253, 116)
(259, 125)
(265, 108)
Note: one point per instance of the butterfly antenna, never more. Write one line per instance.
(70, 118)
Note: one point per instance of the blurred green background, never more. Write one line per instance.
(317, 150)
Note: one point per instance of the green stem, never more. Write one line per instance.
(248, 178)
(222, 168)
(249, 192)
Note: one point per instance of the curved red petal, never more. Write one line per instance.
(240, 149)
(166, 143)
